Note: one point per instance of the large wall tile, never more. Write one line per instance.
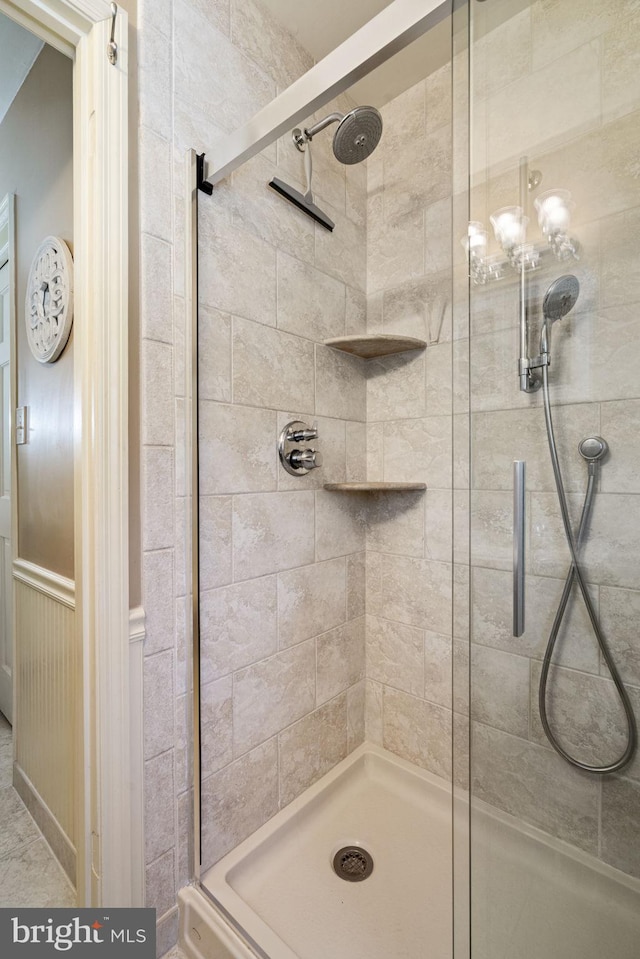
(420, 307)
(356, 585)
(500, 437)
(418, 731)
(419, 174)
(232, 95)
(500, 690)
(492, 529)
(341, 389)
(395, 251)
(237, 449)
(620, 58)
(159, 789)
(214, 355)
(419, 451)
(534, 784)
(536, 111)
(272, 532)
(438, 531)
(620, 838)
(373, 722)
(311, 600)
(272, 694)
(437, 668)
(340, 525)
(237, 626)
(266, 214)
(620, 425)
(216, 726)
(585, 714)
(557, 30)
(620, 612)
(619, 284)
(228, 256)
(356, 715)
(610, 551)
(271, 368)
(395, 655)
(396, 386)
(311, 747)
(158, 690)
(225, 821)
(439, 379)
(215, 514)
(491, 69)
(340, 659)
(415, 592)
(343, 253)
(267, 42)
(492, 599)
(310, 303)
(395, 523)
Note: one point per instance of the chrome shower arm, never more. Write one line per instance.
(310, 132)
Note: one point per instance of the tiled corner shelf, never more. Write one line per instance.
(374, 487)
(374, 344)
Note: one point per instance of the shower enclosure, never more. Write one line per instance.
(417, 533)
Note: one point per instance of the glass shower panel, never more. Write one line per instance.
(554, 259)
(326, 594)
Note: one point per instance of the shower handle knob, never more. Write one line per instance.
(305, 459)
(304, 435)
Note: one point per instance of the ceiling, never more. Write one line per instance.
(321, 27)
(18, 52)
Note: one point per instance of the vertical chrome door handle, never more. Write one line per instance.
(519, 480)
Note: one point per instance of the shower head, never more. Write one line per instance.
(356, 138)
(561, 297)
(358, 135)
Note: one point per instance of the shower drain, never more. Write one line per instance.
(353, 863)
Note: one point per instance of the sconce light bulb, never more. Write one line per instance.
(554, 211)
(509, 226)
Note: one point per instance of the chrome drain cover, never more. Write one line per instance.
(353, 863)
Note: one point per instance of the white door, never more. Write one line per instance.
(6, 636)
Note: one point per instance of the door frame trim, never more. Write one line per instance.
(109, 823)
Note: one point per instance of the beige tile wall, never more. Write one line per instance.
(282, 563)
(559, 99)
(410, 405)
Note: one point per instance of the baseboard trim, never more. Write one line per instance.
(62, 847)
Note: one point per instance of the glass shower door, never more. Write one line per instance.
(554, 348)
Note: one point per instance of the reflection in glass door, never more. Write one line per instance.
(554, 210)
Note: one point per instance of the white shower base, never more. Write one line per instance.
(534, 897)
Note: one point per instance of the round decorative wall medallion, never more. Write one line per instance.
(49, 300)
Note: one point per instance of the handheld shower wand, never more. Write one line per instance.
(561, 297)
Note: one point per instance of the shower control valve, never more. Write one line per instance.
(294, 459)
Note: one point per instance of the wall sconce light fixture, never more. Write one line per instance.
(510, 229)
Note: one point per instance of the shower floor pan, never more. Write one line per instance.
(281, 887)
(534, 897)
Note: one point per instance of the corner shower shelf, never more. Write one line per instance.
(375, 344)
(374, 487)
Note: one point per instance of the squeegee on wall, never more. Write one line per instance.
(304, 201)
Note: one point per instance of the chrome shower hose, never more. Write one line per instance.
(575, 573)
